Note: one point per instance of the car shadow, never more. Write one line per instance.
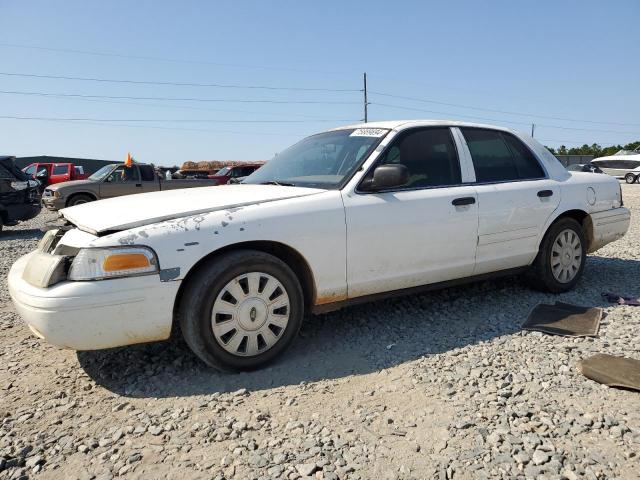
(20, 234)
(359, 339)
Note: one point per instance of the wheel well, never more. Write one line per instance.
(288, 255)
(86, 194)
(583, 219)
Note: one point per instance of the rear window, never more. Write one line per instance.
(60, 169)
(500, 157)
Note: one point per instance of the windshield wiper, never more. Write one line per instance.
(279, 183)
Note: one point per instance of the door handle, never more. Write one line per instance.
(545, 193)
(138, 184)
(463, 201)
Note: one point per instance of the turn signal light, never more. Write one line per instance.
(125, 261)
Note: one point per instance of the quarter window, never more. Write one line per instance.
(429, 154)
(500, 157)
(148, 173)
(60, 169)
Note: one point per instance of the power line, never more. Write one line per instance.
(180, 99)
(84, 119)
(166, 59)
(204, 109)
(505, 112)
(504, 121)
(155, 127)
(401, 107)
(177, 84)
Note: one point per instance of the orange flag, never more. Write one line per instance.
(129, 161)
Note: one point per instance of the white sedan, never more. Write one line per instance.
(345, 216)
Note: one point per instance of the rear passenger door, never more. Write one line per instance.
(515, 199)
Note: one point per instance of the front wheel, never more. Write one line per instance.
(630, 178)
(561, 257)
(79, 200)
(241, 310)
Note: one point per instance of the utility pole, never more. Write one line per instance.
(366, 103)
(533, 129)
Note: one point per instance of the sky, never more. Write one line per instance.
(570, 67)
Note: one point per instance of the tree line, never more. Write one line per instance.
(594, 149)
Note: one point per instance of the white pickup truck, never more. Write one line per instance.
(345, 216)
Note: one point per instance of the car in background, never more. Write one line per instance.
(346, 216)
(623, 164)
(584, 167)
(113, 180)
(50, 173)
(224, 175)
(19, 194)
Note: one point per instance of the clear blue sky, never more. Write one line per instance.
(569, 59)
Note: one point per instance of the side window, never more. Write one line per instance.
(429, 154)
(491, 157)
(147, 173)
(526, 164)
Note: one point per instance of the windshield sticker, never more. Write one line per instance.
(368, 132)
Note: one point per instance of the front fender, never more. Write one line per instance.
(314, 226)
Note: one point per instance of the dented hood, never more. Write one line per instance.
(131, 211)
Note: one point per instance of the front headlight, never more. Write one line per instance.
(104, 263)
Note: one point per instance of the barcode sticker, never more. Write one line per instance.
(368, 132)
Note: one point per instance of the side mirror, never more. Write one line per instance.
(387, 176)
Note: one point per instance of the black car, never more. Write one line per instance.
(19, 194)
(584, 167)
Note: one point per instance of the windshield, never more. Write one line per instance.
(325, 160)
(102, 173)
(223, 171)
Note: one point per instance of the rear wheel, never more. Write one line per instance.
(630, 178)
(561, 257)
(79, 200)
(241, 310)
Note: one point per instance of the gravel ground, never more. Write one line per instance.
(442, 385)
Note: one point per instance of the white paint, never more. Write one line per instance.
(354, 243)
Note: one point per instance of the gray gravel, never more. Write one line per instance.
(442, 385)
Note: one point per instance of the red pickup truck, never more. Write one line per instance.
(50, 173)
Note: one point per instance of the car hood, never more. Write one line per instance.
(70, 183)
(122, 213)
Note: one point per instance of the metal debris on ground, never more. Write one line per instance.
(612, 371)
(564, 319)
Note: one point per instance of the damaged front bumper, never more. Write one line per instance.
(94, 315)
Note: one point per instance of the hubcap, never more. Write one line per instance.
(250, 314)
(566, 256)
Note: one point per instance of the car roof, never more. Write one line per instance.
(402, 124)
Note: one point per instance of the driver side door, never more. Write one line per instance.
(423, 232)
(121, 181)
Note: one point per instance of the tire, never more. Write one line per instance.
(630, 178)
(210, 292)
(546, 272)
(79, 200)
